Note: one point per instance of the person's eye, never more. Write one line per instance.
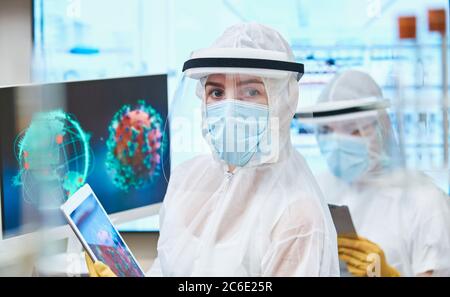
(251, 92)
(356, 133)
(215, 93)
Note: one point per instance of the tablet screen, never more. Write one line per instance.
(103, 239)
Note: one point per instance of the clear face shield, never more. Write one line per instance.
(356, 138)
(230, 107)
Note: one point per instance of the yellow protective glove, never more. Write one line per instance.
(97, 269)
(364, 258)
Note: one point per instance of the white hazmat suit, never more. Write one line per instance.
(400, 210)
(266, 218)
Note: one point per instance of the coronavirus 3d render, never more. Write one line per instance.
(134, 146)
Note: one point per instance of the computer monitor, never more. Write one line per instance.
(110, 133)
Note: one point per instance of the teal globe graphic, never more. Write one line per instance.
(53, 154)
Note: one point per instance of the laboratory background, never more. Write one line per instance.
(50, 51)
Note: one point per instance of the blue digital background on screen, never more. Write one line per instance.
(92, 104)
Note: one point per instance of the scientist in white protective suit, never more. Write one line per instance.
(401, 217)
(252, 207)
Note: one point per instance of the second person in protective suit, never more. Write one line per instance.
(401, 217)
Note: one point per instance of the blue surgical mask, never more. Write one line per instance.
(236, 128)
(347, 156)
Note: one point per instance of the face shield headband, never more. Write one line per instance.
(342, 111)
(252, 61)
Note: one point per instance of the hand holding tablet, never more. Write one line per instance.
(99, 237)
(342, 220)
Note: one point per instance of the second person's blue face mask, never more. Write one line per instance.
(236, 128)
(346, 156)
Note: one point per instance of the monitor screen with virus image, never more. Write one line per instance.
(55, 138)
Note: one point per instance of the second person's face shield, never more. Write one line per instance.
(234, 110)
(357, 141)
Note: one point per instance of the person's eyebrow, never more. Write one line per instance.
(250, 81)
(214, 84)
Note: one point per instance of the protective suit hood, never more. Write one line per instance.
(254, 41)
